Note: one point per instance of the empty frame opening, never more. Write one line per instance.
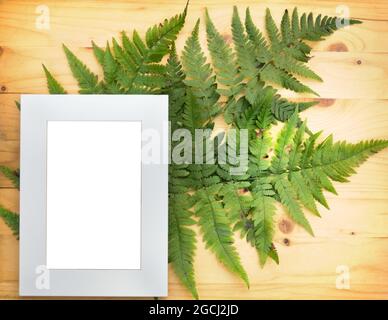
(93, 194)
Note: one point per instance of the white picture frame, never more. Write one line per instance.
(75, 208)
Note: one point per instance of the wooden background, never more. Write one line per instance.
(354, 106)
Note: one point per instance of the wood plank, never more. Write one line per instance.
(9, 248)
(349, 75)
(346, 75)
(339, 117)
(9, 135)
(343, 237)
(18, 18)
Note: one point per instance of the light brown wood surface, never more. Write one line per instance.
(353, 106)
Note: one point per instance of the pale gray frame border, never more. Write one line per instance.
(152, 278)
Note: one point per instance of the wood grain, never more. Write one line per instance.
(353, 106)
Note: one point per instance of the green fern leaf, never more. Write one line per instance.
(126, 61)
(181, 240)
(338, 160)
(199, 76)
(232, 156)
(287, 35)
(142, 72)
(281, 62)
(216, 230)
(259, 158)
(303, 191)
(288, 198)
(192, 118)
(245, 51)
(53, 85)
(12, 175)
(11, 219)
(283, 78)
(257, 39)
(224, 62)
(175, 88)
(281, 158)
(111, 70)
(257, 113)
(316, 30)
(87, 80)
(263, 217)
(272, 29)
(99, 53)
(283, 109)
(289, 64)
(236, 204)
(160, 37)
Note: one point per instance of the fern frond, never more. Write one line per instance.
(259, 158)
(12, 175)
(338, 160)
(111, 71)
(256, 37)
(181, 240)
(216, 230)
(283, 109)
(290, 65)
(87, 81)
(192, 117)
(224, 62)
(306, 28)
(175, 88)
(236, 204)
(140, 61)
(316, 29)
(199, 76)
(305, 170)
(272, 30)
(203, 175)
(99, 53)
(257, 112)
(11, 219)
(288, 198)
(303, 191)
(263, 217)
(127, 62)
(160, 37)
(232, 156)
(109, 65)
(285, 27)
(281, 158)
(285, 79)
(282, 59)
(53, 85)
(245, 51)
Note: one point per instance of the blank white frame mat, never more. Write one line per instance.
(99, 205)
(94, 216)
